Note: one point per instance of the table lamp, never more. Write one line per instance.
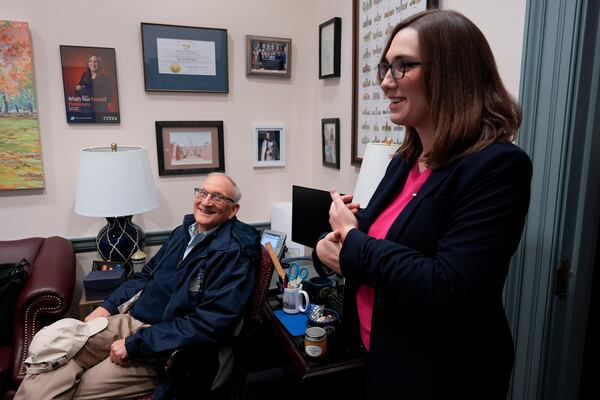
(374, 163)
(116, 183)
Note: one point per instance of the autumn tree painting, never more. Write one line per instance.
(20, 152)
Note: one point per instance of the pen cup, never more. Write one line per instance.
(292, 300)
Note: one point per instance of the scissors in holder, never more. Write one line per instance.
(296, 274)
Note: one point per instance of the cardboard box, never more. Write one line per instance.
(99, 284)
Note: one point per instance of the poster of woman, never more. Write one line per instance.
(90, 84)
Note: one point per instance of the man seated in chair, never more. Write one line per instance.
(194, 292)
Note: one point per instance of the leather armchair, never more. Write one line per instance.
(46, 297)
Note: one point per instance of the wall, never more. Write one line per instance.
(250, 101)
(298, 103)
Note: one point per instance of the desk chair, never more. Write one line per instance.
(192, 376)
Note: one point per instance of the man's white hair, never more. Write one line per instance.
(238, 194)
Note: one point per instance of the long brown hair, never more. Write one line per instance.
(470, 107)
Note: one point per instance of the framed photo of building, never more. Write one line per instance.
(268, 146)
(90, 85)
(184, 58)
(330, 137)
(190, 147)
(270, 56)
(373, 22)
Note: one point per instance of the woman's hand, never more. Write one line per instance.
(347, 199)
(341, 215)
(328, 250)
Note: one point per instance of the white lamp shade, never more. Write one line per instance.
(375, 161)
(114, 183)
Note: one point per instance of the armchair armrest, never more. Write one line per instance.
(48, 291)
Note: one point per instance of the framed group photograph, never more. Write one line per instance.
(330, 137)
(184, 58)
(268, 146)
(270, 56)
(190, 147)
(330, 38)
(373, 22)
(90, 84)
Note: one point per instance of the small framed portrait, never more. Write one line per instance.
(90, 85)
(269, 146)
(330, 135)
(184, 58)
(330, 38)
(268, 56)
(190, 147)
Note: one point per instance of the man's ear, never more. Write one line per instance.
(234, 210)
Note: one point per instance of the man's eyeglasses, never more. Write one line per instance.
(398, 68)
(216, 197)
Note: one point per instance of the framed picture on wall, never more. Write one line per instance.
(184, 58)
(373, 22)
(268, 146)
(330, 38)
(330, 137)
(190, 147)
(90, 84)
(270, 56)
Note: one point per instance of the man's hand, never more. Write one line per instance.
(98, 312)
(118, 352)
(328, 250)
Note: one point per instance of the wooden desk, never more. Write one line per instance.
(87, 306)
(336, 359)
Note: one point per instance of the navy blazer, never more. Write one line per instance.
(439, 330)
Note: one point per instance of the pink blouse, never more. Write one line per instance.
(365, 295)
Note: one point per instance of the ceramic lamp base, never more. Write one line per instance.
(120, 239)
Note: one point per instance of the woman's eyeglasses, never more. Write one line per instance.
(398, 68)
(216, 197)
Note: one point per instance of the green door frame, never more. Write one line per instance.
(560, 94)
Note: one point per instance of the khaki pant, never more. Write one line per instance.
(91, 374)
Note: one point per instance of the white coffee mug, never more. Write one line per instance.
(292, 300)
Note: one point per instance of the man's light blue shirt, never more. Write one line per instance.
(196, 237)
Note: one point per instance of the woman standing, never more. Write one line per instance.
(426, 262)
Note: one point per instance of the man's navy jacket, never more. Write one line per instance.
(197, 300)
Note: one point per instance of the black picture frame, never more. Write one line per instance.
(330, 39)
(190, 147)
(277, 60)
(330, 139)
(184, 58)
(90, 84)
(371, 26)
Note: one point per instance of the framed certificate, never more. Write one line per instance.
(330, 37)
(184, 58)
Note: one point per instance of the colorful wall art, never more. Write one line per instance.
(20, 151)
